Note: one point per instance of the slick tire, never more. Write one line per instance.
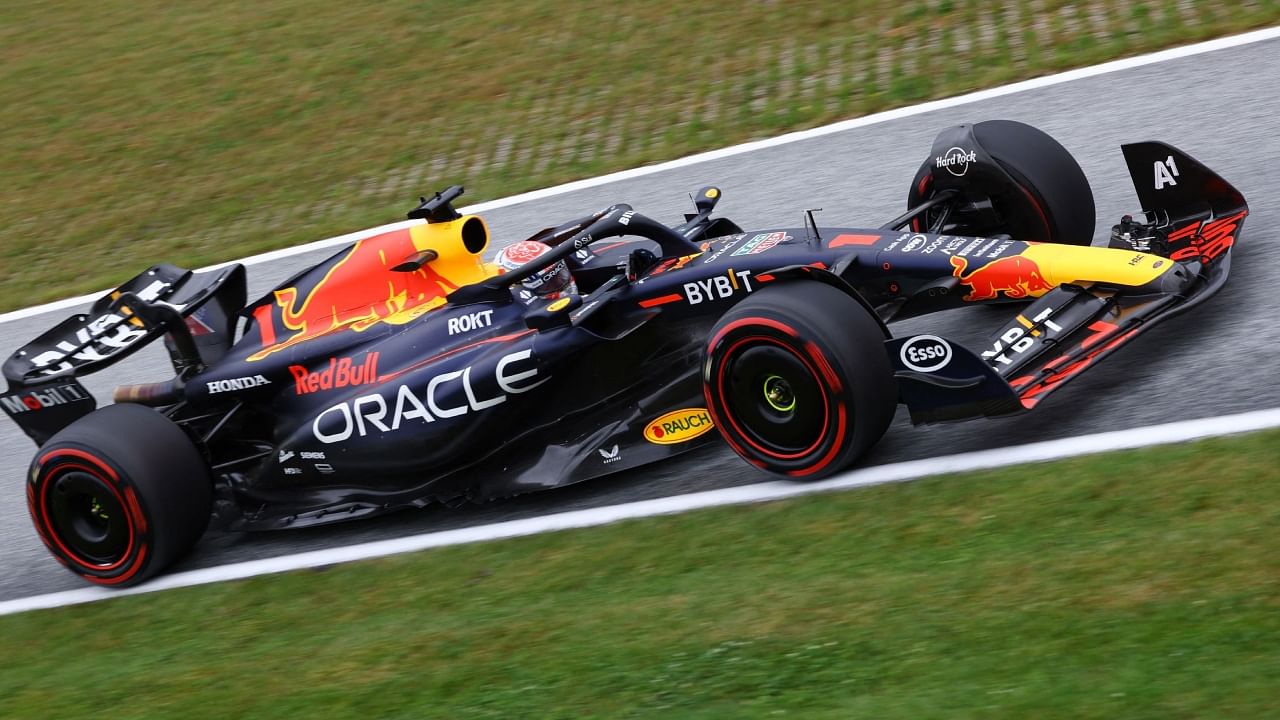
(797, 380)
(1050, 200)
(119, 495)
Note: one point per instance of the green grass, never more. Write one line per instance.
(144, 130)
(1137, 585)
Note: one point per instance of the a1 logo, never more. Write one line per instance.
(1166, 171)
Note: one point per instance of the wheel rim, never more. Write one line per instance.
(777, 400)
(779, 394)
(88, 517)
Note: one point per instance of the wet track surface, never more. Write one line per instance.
(1220, 358)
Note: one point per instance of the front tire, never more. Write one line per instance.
(1049, 199)
(119, 495)
(797, 380)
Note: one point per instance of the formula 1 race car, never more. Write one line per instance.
(406, 369)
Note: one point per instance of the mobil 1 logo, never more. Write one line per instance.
(925, 353)
(42, 398)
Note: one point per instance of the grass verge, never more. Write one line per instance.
(1136, 585)
(144, 130)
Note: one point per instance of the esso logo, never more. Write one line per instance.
(926, 353)
(915, 243)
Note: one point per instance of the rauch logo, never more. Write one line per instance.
(678, 426)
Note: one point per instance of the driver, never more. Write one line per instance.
(549, 283)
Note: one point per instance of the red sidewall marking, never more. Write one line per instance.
(831, 454)
(721, 383)
(103, 472)
(1044, 219)
(748, 321)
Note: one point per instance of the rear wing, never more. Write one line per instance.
(43, 393)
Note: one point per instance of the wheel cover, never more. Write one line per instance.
(775, 397)
(89, 518)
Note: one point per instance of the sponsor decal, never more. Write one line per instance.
(293, 471)
(341, 372)
(1019, 338)
(761, 243)
(678, 426)
(925, 245)
(718, 287)
(1030, 388)
(285, 456)
(36, 400)
(956, 161)
(324, 468)
(953, 245)
(470, 321)
(234, 384)
(375, 413)
(1015, 276)
(625, 218)
(925, 353)
(1215, 238)
(312, 456)
(728, 244)
(359, 291)
(113, 331)
(847, 239)
(1166, 171)
(196, 325)
(1004, 245)
(611, 455)
(971, 247)
(914, 243)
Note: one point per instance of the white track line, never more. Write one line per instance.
(1033, 84)
(898, 472)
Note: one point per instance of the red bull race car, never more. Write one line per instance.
(407, 369)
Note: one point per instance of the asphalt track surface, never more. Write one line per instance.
(1220, 107)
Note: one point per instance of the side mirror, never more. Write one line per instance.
(637, 262)
(706, 199)
(554, 314)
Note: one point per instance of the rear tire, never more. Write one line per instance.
(1050, 200)
(797, 380)
(119, 495)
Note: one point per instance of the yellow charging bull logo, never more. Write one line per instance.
(361, 290)
(1015, 276)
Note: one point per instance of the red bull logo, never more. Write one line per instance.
(361, 290)
(1016, 276)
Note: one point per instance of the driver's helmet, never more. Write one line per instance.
(549, 283)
